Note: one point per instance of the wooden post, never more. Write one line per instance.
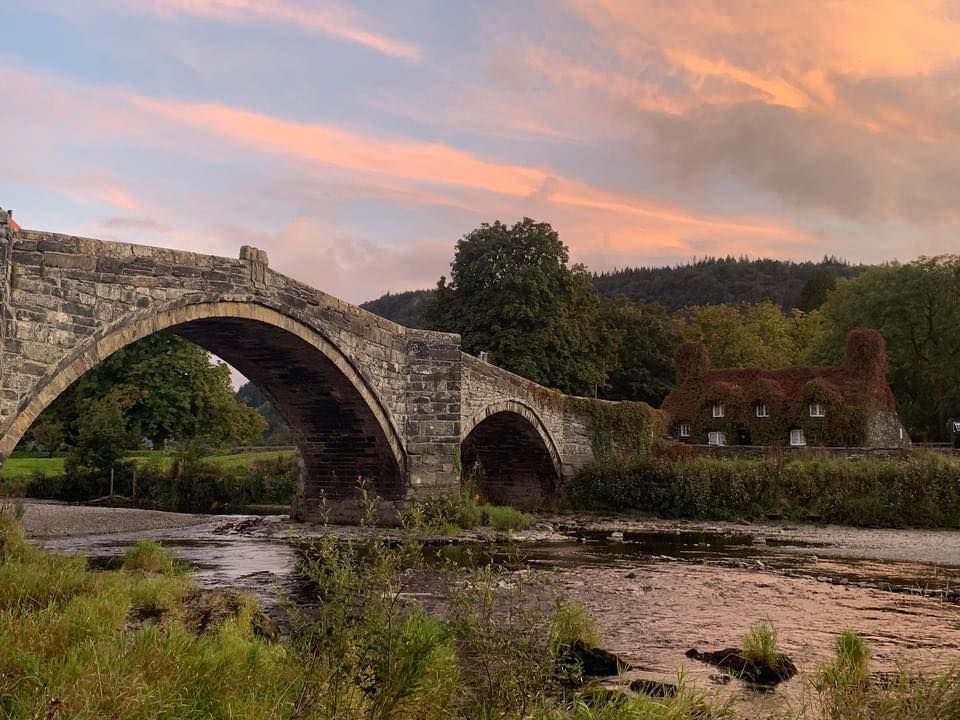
(111, 482)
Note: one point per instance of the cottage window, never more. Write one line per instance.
(684, 430)
(762, 410)
(718, 409)
(817, 410)
(717, 438)
(797, 438)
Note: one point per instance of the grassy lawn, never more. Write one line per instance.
(23, 468)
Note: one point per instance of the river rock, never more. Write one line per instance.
(591, 662)
(743, 668)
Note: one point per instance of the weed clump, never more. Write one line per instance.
(149, 556)
(760, 644)
(463, 512)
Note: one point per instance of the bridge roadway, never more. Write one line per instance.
(404, 412)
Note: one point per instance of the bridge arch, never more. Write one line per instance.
(508, 451)
(341, 426)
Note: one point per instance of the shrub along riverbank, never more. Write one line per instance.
(186, 482)
(922, 490)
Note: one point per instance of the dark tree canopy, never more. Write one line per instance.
(512, 294)
(405, 308)
(916, 307)
(711, 281)
(166, 388)
(645, 338)
(717, 281)
(816, 289)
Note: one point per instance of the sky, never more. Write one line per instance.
(356, 142)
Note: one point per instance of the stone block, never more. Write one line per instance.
(65, 260)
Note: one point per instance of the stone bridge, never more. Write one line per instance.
(404, 412)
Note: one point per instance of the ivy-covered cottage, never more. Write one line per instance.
(850, 405)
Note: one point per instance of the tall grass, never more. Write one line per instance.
(465, 513)
(846, 690)
(150, 557)
(760, 644)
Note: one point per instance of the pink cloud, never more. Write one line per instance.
(436, 164)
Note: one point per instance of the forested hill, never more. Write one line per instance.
(404, 308)
(710, 281)
(720, 281)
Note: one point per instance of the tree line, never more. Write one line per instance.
(704, 281)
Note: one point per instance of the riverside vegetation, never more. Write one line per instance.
(920, 490)
(194, 480)
(144, 642)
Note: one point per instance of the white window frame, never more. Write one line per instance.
(817, 410)
(762, 411)
(684, 430)
(718, 410)
(717, 438)
(797, 438)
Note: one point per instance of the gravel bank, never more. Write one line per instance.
(47, 520)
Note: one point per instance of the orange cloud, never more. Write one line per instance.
(792, 54)
(436, 164)
(776, 90)
(332, 21)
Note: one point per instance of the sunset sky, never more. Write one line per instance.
(356, 142)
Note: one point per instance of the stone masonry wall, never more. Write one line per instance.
(433, 412)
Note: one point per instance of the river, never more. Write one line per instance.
(659, 588)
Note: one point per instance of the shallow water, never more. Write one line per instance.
(659, 591)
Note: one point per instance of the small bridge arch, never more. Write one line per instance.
(511, 456)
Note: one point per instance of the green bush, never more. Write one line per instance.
(922, 490)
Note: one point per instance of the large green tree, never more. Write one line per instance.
(511, 293)
(645, 339)
(916, 307)
(760, 335)
(166, 388)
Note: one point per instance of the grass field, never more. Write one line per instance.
(23, 468)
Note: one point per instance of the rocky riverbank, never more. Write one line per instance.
(53, 520)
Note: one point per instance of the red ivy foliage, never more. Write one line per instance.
(851, 393)
(692, 361)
